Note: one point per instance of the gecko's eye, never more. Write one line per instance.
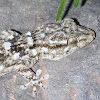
(72, 40)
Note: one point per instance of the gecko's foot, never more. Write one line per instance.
(36, 81)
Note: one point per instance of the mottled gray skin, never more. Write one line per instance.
(52, 41)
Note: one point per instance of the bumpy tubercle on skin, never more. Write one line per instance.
(52, 41)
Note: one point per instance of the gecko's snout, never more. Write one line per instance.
(86, 38)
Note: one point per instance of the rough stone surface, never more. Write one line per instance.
(76, 77)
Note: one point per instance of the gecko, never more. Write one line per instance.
(52, 41)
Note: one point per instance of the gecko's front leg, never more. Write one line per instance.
(17, 52)
(35, 79)
(24, 67)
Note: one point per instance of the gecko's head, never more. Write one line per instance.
(85, 37)
(78, 35)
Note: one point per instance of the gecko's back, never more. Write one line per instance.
(52, 41)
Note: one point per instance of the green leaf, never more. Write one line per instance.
(76, 2)
(60, 8)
